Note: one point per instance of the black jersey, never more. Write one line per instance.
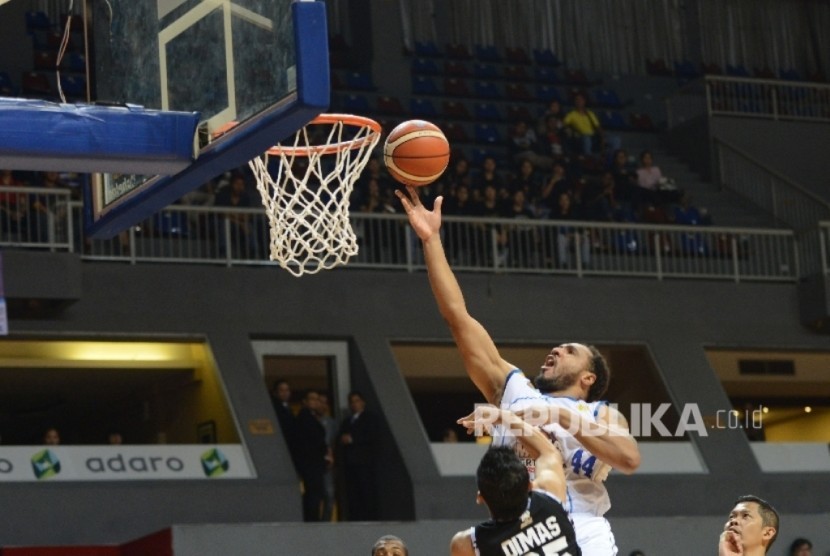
(543, 529)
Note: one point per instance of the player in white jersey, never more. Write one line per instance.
(569, 371)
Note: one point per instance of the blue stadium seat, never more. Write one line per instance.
(74, 61)
(73, 86)
(546, 74)
(359, 81)
(487, 53)
(686, 70)
(607, 98)
(611, 119)
(487, 134)
(487, 111)
(356, 104)
(738, 70)
(483, 70)
(790, 75)
(548, 93)
(7, 88)
(425, 66)
(37, 20)
(423, 85)
(545, 57)
(486, 90)
(423, 109)
(427, 48)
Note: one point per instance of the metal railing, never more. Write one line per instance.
(231, 237)
(748, 97)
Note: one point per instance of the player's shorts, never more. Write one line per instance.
(593, 535)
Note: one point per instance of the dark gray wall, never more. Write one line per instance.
(796, 149)
(228, 307)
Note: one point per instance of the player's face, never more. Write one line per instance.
(390, 548)
(563, 366)
(746, 522)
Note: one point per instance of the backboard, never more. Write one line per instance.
(254, 70)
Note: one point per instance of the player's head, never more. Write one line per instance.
(503, 483)
(389, 545)
(755, 521)
(575, 365)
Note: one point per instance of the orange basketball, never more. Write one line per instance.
(416, 153)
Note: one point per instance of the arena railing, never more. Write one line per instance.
(233, 237)
(773, 99)
(36, 218)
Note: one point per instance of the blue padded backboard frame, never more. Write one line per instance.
(249, 138)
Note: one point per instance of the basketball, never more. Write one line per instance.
(416, 153)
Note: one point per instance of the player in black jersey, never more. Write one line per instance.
(526, 518)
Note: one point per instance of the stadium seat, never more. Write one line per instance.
(516, 55)
(577, 77)
(36, 85)
(425, 66)
(607, 98)
(487, 111)
(517, 92)
(487, 53)
(73, 86)
(427, 49)
(456, 68)
(37, 20)
(790, 75)
(612, 119)
(548, 93)
(519, 113)
(545, 57)
(74, 61)
(487, 134)
(484, 70)
(45, 59)
(390, 106)
(685, 69)
(356, 104)
(455, 110)
(455, 133)
(423, 109)
(641, 122)
(486, 90)
(516, 73)
(456, 87)
(337, 82)
(7, 88)
(359, 81)
(711, 69)
(737, 71)
(423, 85)
(658, 67)
(457, 51)
(544, 74)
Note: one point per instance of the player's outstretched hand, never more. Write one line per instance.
(426, 223)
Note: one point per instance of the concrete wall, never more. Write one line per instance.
(228, 307)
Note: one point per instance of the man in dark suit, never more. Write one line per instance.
(311, 456)
(281, 399)
(358, 439)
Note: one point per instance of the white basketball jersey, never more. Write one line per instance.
(584, 473)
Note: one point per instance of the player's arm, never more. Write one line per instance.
(608, 438)
(550, 476)
(462, 544)
(481, 358)
(730, 544)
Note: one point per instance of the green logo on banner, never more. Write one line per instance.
(45, 464)
(214, 463)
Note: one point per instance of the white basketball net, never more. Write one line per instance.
(307, 196)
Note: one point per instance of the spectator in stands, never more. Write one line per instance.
(449, 436)
(601, 203)
(653, 188)
(41, 206)
(527, 180)
(281, 400)
(243, 232)
(556, 184)
(459, 174)
(493, 207)
(488, 175)
(389, 545)
(375, 170)
(51, 437)
(460, 244)
(566, 235)
(587, 134)
(801, 547)
(114, 438)
(524, 146)
(12, 204)
(552, 118)
(551, 138)
(312, 455)
(359, 436)
(625, 176)
(751, 529)
(522, 240)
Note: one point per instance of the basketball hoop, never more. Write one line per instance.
(307, 193)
